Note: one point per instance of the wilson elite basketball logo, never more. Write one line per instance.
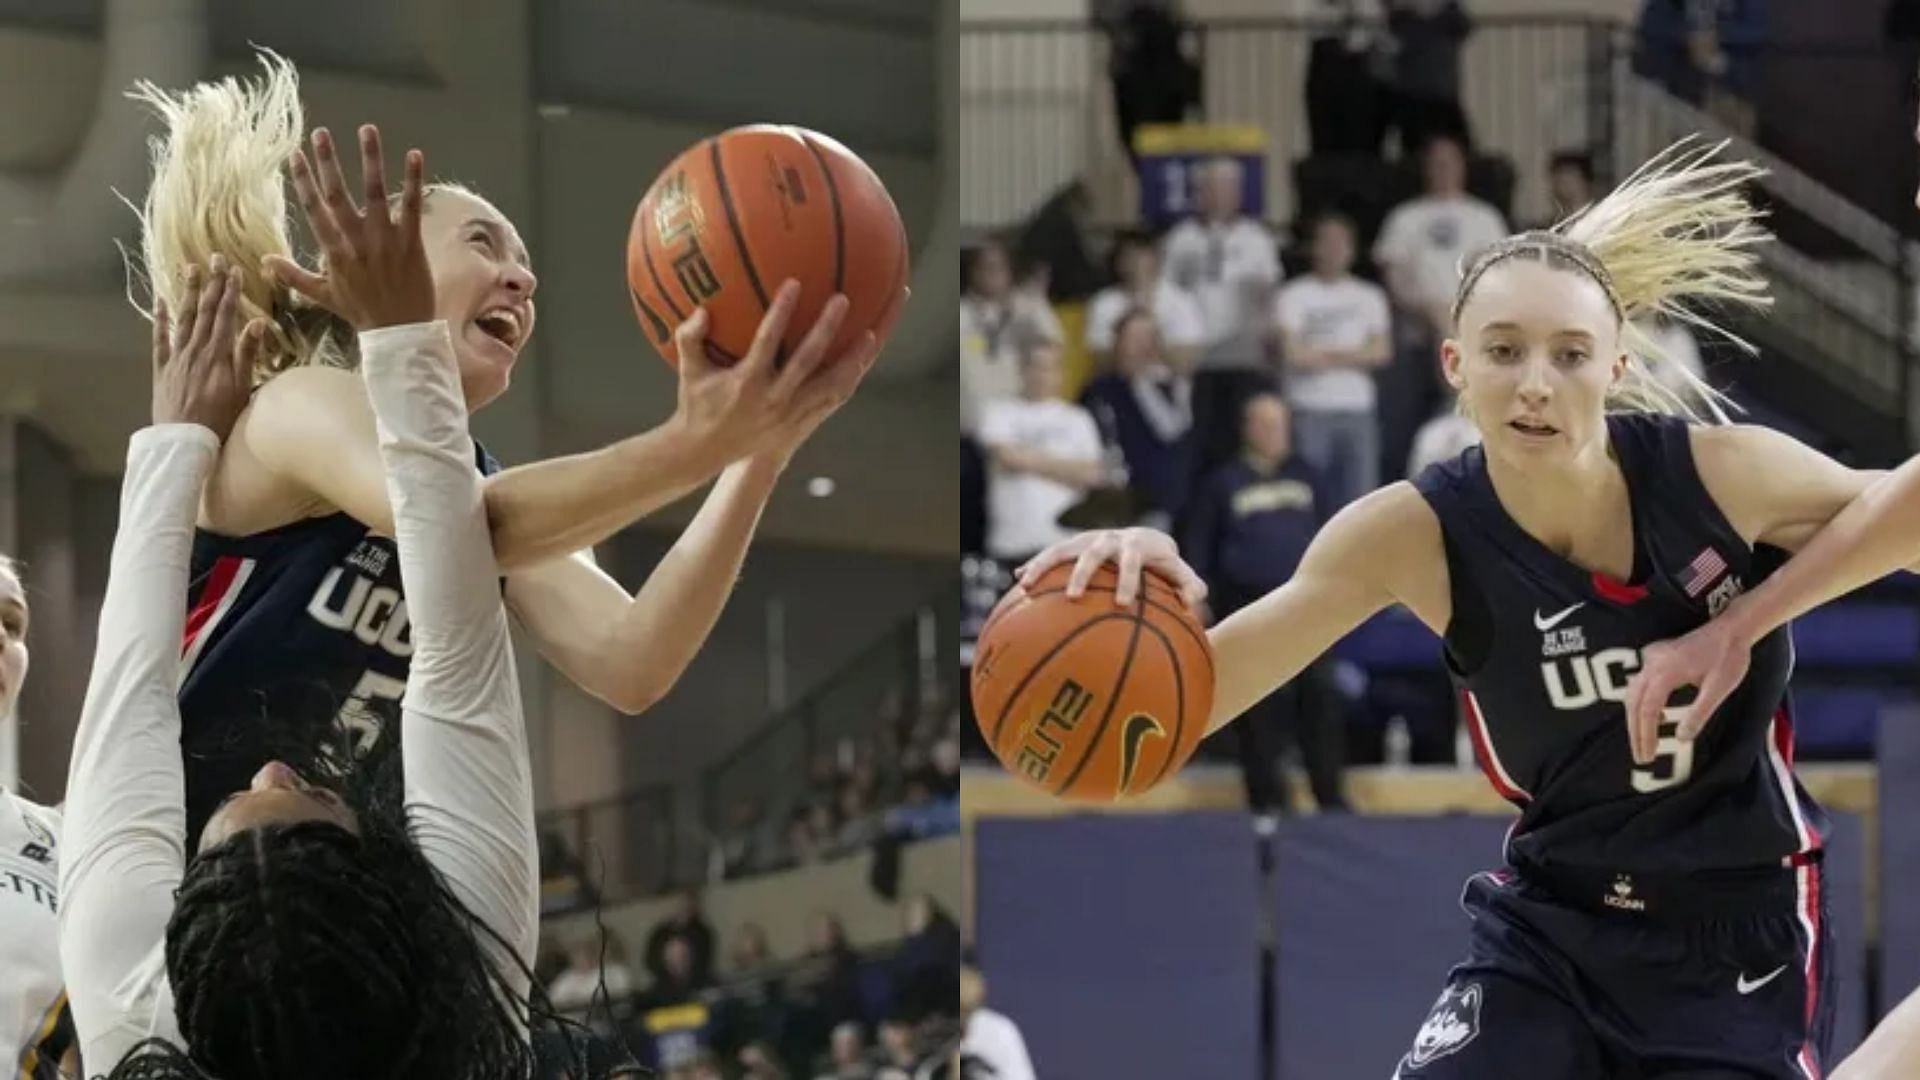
(1040, 745)
(678, 217)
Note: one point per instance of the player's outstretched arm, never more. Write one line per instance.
(629, 651)
(1847, 526)
(1382, 549)
(124, 826)
(469, 785)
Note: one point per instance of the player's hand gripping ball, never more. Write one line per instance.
(1087, 700)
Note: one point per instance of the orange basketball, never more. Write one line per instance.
(1087, 700)
(738, 213)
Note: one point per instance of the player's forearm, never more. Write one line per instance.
(668, 621)
(1877, 533)
(549, 509)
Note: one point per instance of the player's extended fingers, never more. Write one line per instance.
(211, 297)
(298, 278)
(1655, 692)
(246, 358)
(1028, 574)
(373, 179)
(690, 344)
(807, 357)
(306, 192)
(333, 187)
(221, 334)
(765, 352)
(1104, 547)
(1128, 585)
(162, 336)
(1714, 688)
(189, 310)
(413, 197)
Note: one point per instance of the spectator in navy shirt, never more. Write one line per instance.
(1144, 405)
(1246, 533)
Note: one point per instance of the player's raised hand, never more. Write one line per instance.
(1712, 658)
(202, 369)
(1131, 550)
(771, 400)
(375, 271)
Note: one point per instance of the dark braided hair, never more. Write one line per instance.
(305, 952)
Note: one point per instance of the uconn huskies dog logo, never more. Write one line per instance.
(1453, 1023)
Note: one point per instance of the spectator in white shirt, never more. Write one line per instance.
(1044, 454)
(1231, 263)
(993, 1045)
(1335, 331)
(1421, 249)
(1139, 285)
(572, 992)
(1426, 240)
(998, 325)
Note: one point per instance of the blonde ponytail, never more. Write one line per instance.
(218, 187)
(1676, 237)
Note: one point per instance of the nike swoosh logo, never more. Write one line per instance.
(1741, 984)
(1548, 624)
(1132, 737)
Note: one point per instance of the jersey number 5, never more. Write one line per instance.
(358, 716)
(1672, 760)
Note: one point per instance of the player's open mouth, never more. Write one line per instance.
(503, 325)
(1534, 428)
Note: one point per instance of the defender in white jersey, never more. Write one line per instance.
(315, 935)
(36, 1029)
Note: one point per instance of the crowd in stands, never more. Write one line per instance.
(834, 1011)
(702, 1006)
(900, 783)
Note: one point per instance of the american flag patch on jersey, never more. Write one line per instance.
(1701, 572)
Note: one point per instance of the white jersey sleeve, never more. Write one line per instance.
(469, 785)
(124, 845)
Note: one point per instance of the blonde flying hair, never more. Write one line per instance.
(219, 187)
(1675, 237)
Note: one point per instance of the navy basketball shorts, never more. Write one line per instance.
(1607, 978)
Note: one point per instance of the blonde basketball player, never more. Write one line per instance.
(1661, 906)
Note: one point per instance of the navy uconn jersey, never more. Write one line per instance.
(303, 627)
(1542, 651)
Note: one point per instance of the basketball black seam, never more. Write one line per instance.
(839, 226)
(1113, 697)
(1035, 668)
(646, 256)
(1180, 700)
(733, 221)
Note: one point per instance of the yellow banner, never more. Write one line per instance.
(1199, 139)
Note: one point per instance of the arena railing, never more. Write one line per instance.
(628, 845)
(904, 676)
(645, 842)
